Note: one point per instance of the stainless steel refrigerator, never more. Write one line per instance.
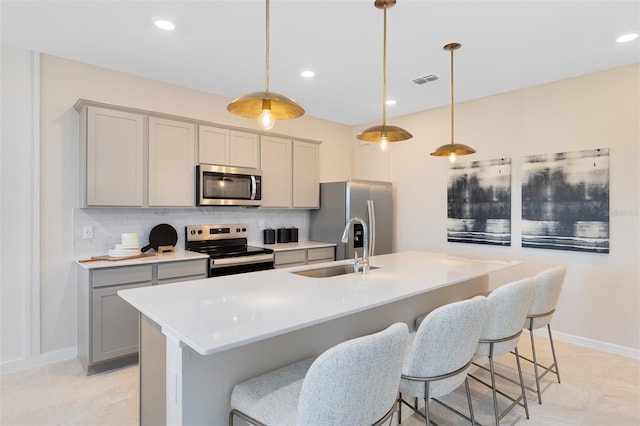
(340, 201)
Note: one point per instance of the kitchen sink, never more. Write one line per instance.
(330, 271)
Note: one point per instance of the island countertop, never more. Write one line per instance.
(216, 314)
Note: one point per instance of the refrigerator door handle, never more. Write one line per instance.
(372, 227)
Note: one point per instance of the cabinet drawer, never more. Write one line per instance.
(123, 275)
(320, 254)
(290, 257)
(182, 269)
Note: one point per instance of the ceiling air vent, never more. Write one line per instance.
(425, 79)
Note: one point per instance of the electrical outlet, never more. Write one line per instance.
(87, 232)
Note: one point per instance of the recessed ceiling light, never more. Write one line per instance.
(627, 37)
(307, 73)
(391, 102)
(163, 24)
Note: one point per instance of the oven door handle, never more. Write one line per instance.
(242, 260)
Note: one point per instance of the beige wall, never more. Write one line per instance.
(601, 296)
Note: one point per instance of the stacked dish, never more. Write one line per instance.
(129, 246)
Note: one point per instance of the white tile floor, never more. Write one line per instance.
(597, 389)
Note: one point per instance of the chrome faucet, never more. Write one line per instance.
(364, 262)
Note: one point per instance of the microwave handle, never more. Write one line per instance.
(254, 187)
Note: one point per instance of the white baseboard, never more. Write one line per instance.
(591, 343)
(38, 360)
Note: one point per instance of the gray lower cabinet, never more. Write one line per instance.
(299, 257)
(114, 324)
(171, 272)
(108, 329)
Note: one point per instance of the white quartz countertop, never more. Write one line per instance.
(215, 314)
(294, 246)
(176, 256)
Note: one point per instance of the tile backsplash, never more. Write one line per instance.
(109, 223)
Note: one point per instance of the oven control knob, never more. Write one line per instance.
(199, 231)
(244, 229)
(237, 229)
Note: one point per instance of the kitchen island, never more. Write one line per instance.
(199, 338)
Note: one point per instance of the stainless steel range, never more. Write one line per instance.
(227, 247)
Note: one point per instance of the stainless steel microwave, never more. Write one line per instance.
(228, 186)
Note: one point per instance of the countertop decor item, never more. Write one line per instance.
(113, 259)
(266, 106)
(452, 149)
(384, 133)
(283, 235)
(163, 237)
(269, 236)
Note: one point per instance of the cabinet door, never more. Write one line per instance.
(114, 324)
(243, 149)
(275, 160)
(213, 145)
(114, 163)
(306, 188)
(172, 161)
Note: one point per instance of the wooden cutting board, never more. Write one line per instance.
(114, 259)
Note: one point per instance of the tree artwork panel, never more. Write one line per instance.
(479, 202)
(565, 201)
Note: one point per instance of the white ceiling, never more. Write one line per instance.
(218, 46)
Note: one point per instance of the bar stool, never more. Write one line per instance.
(548, 285)
(440, 352)
(507, 309)
(353, 383)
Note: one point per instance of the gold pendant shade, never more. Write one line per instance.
(452, 150)
(392, 133)
(456, 149)
(384, 132)
(266, 106)
(252, 105)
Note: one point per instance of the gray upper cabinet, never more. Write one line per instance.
(172, 161)
(112, 159)
(227, 147)
(137, 158)
(306, 187)
(289, 173)
(275, 159)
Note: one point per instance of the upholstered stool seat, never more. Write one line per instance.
(353, 383)
(279, 388)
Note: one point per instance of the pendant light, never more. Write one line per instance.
(452, 149)
(384, 133)
(266, 106)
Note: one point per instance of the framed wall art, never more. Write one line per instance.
(565, 201)
(479, 202)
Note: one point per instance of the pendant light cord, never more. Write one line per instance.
(384, 69)
(266, 59)
(452, 139)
